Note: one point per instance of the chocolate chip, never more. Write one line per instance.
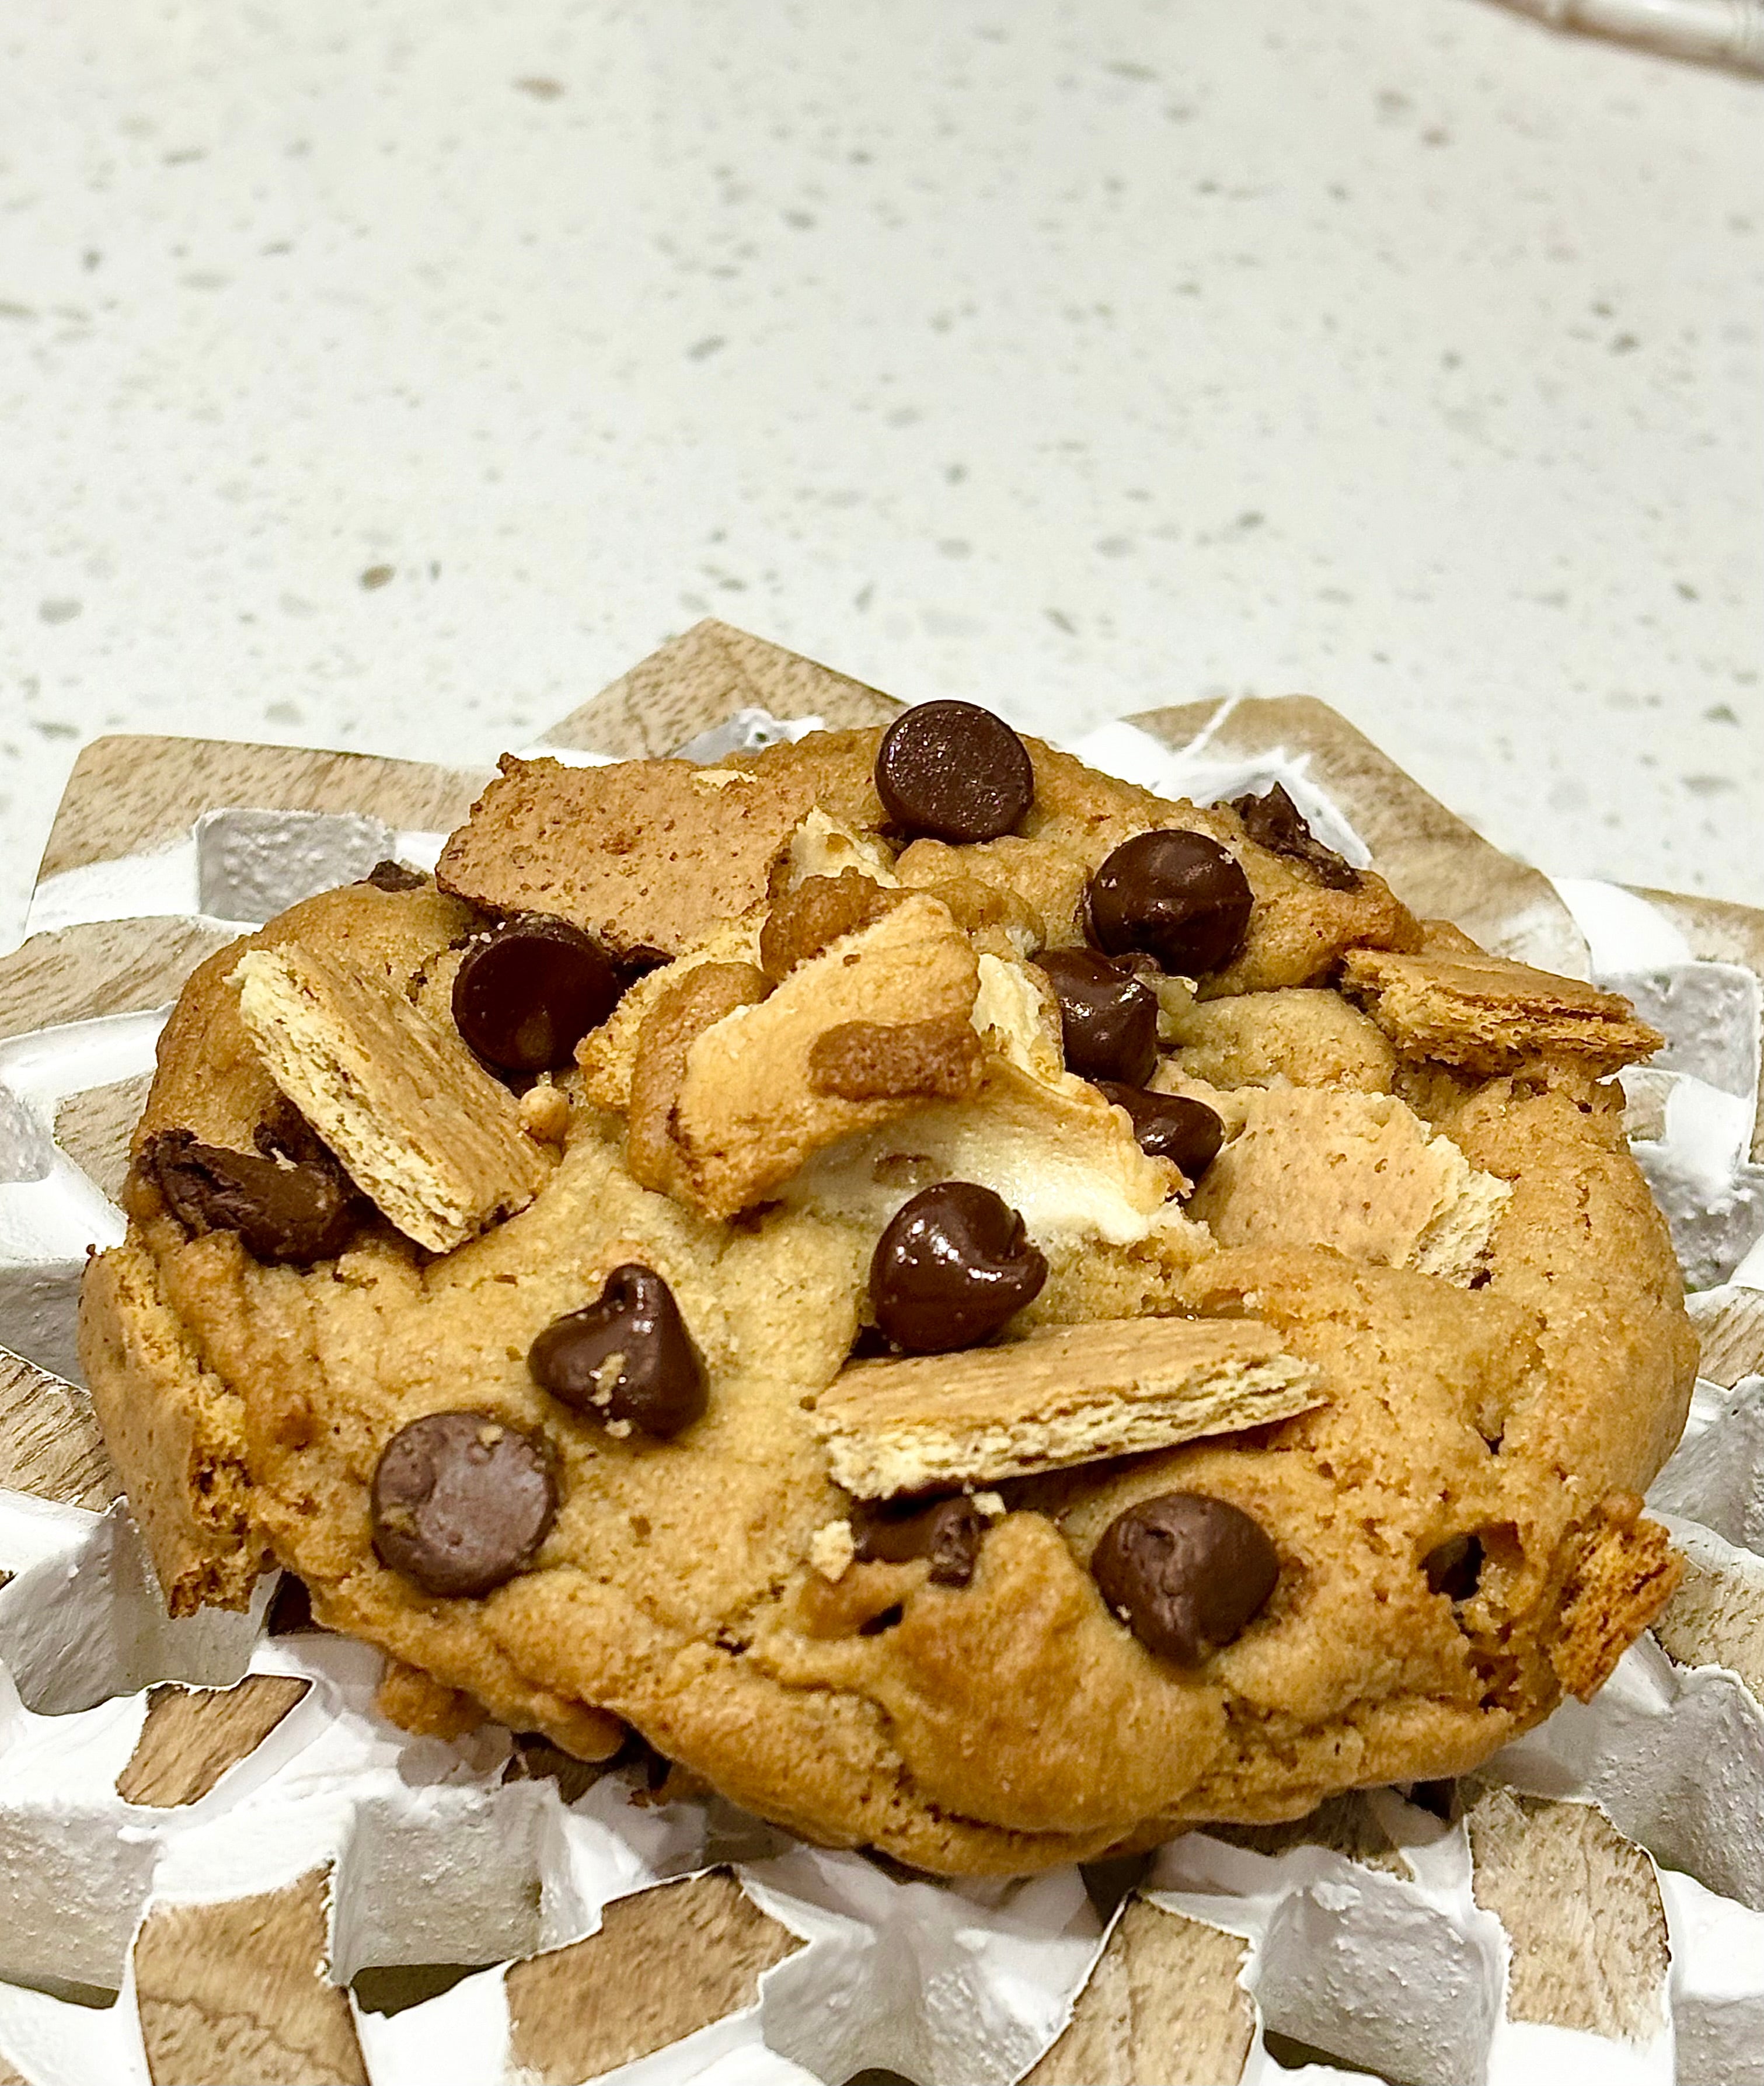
(626, 1358)
(953, 772)
(1177, 895)
(1171, 1127)
(1108, 1018)
(285, 1133)
(948, 1531)
(1274, 821)
(389, 876)
(527, 993)
(285, 1212)
(460, 1502)
(1186, 1573)
(953, 1266)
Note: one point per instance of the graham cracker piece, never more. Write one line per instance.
(1582, 1909)
(193, 1735)
(751, 1108)
(422, 1126)
(1626, 1572)
(1358, 1172)
(50, 1444)
(645, 855)
(1164, 2002)
(1488, 1015)
(665, 1963)
(1065, 1394)
(176, 1428)
(235, 1993)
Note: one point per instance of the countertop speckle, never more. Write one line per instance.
(391, 376)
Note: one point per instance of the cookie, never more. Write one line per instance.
(1041, 1316)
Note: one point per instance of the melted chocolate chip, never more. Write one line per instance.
(460, 1502)
(627, 1357)
(389, 876)
(527, 993)
(955, 1263)
(285, 1212)
(1108, 1018)
(953, 772)
(1274, 821)
(1186, 1573)
(1178, 896)
(948, 1531)
(1171, 1127)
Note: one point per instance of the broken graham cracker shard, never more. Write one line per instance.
(422, 1127)
(644, 855)
(1465, 1008)
(1073, 1394)
(1361, 1173)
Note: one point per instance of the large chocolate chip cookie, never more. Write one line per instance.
(987, 1315)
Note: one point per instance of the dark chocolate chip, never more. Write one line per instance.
(627, 1356)
(285, 1212)
(1455, 1567)
(1108, 1018)
(1178, 896)
(953, 772)
(955, 1263)
(1186, 1573)
(948, 1531)
(462, 1501)
(1171, 1127)
(285, 1133)
(1274, 821)
(389, 876)
(527, 994)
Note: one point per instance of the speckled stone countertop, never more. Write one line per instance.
(391, 376)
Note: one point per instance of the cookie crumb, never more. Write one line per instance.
(832, 1548)
(991, 1505)
(545, 1112)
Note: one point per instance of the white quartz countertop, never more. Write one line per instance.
(391, 376)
